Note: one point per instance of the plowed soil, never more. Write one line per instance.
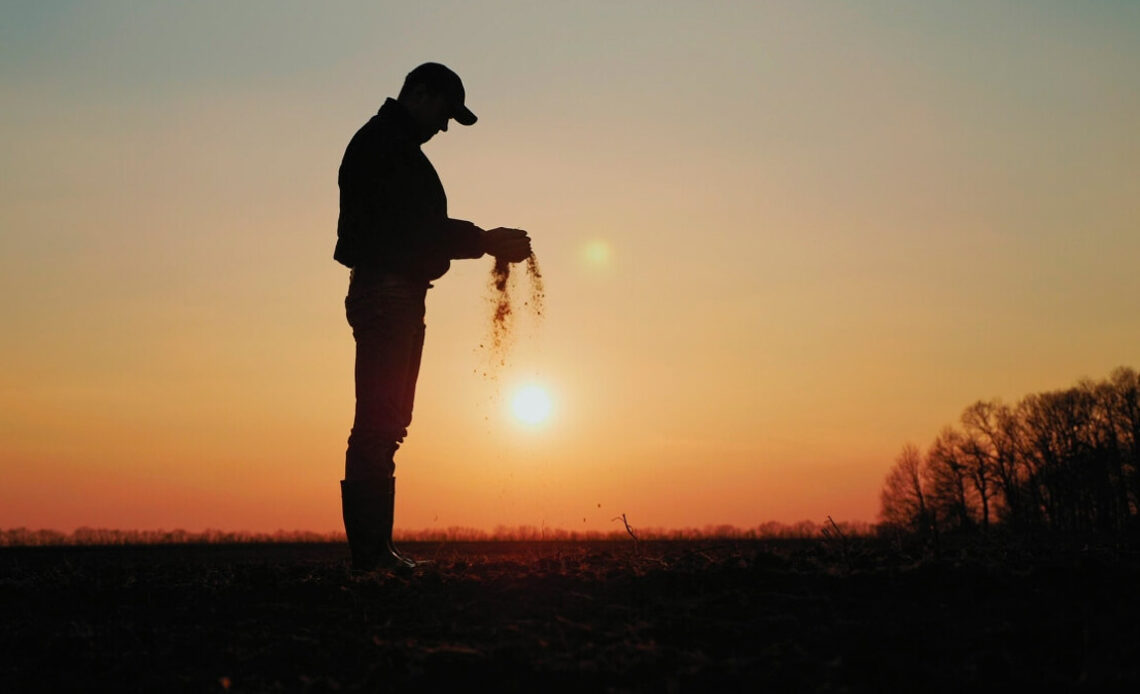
(534, 617)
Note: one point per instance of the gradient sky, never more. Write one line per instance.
(780, 239)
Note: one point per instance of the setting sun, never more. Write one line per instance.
(531, 404)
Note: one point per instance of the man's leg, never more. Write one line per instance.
(387, 322)
(412, 373)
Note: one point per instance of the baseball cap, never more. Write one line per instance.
(441, 79)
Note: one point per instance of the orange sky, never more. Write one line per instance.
(827, 229)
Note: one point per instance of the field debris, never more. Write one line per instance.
(629, 529)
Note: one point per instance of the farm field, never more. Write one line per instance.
(701, 615)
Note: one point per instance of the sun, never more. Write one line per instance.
(531, 404)
(596, 253)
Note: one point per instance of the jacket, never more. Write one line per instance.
(393, 210)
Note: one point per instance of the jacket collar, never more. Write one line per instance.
(395, 112)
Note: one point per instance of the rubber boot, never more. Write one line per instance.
(367, 509)
(390, 524)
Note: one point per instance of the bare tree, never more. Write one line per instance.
(903, 500)
(1064, 448)
(1040, 454)
(951, 491)
(1122, 400)
(1066, 460)
(990, 448)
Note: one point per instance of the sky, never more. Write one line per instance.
(779, 240)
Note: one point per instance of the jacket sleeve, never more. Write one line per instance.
(462, 239)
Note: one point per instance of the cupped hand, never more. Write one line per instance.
(511, 245)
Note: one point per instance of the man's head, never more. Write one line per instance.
(434, 94)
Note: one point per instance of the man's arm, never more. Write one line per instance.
(385, 218)
(462, 239)
(465, 240)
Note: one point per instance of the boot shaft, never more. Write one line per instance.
(365, 506)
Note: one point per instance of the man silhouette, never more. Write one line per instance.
(395, 234)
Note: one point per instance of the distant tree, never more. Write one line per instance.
(1120, 397)
(1041, 454)
(990, 457)
(902, 501)
(1064, 455)
(1066, 461)
(951, 492)
(805, 529)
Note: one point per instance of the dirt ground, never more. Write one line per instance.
(667, 616)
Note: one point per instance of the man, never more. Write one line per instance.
(395, 235)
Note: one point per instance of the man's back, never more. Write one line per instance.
(393, 210)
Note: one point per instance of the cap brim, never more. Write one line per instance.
(464, 116)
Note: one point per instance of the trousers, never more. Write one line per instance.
(386, 314)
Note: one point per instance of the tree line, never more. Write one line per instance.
(25, 537)
(1064, 461)
(772, 530)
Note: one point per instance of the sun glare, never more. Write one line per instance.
(596, 253)
(531, 404)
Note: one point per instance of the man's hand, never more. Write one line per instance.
(511, 245)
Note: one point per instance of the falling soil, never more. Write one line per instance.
(503, 312)
(501, 297)
(537, 289)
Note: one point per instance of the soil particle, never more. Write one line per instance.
(503, 311)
